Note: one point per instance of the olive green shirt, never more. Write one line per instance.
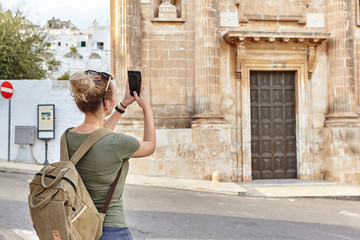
(98, 169)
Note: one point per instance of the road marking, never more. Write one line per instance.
(341, 237)
(310, 191)
(26, 234)
(347, 213)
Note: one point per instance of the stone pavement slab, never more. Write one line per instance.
(188, 184)
(6, 166)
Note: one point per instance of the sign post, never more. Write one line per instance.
(46, 125)
(7, 91)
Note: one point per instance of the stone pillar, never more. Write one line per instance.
(207, 62)
(125, 35)
(342, 105)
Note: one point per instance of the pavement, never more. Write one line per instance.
(279, 188)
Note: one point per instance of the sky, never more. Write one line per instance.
(81, 12)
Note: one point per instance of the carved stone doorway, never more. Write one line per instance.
(277, 52)
(273, 124)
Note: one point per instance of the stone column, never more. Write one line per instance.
(342, 105)
(125, 35)
(207, 62)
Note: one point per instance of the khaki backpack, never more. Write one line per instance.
(60, 205)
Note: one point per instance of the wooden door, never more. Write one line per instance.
(273, 126)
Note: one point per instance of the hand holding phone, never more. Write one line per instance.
(134, 78)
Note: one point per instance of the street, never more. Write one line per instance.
(162, 213)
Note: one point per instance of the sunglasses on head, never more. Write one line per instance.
(103, 74)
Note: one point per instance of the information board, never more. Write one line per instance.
(46, 121)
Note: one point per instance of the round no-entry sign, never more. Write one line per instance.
(6, 90)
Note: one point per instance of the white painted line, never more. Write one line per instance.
(351, 214)
(310, 191)
(26, 234)
(8, 90)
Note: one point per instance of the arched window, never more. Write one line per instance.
(73, 55)
(94, 56)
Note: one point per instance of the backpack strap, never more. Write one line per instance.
(84, 147)
(110, 193)
(64, 153)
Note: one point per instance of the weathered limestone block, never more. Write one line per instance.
(342, 154)
(189, 153)
(344, 141)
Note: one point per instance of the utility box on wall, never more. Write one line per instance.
(25, 136)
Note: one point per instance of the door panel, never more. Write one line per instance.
(273, 127)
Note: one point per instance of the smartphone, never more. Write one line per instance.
(134, 78)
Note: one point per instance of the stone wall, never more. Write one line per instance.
(188, 153)
(168, 66)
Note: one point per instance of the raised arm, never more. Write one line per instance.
(115, 116)
(148, 144)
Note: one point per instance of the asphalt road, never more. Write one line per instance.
(161, 213)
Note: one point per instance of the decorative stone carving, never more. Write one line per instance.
(291, 10)
(311, 58)
(242, 38)
(167, 2)
(167, 9)
(240, 52)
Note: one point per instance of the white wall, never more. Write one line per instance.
(70, 37)
(27, 95)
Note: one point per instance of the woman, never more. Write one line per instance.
(95, 96)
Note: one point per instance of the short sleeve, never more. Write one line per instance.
(126, 146)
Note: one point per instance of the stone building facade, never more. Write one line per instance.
(259, 89)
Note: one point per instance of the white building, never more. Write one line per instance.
(76, 49)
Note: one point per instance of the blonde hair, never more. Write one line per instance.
(88, 90)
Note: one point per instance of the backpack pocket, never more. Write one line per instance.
(86, 222)
(50, 218)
